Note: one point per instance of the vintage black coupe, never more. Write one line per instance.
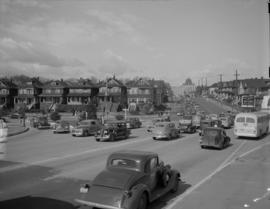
(131, 180)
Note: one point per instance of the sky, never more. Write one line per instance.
(162, 39)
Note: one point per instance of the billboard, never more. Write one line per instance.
(248, 101)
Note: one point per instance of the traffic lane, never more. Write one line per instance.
(184, 154)
(243, 184)
(208, 106)
(42, 145)
(87, 169)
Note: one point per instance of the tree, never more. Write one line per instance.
(54, 116)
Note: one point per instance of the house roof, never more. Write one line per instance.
(254, 83)
(7, 84)
(141, 83)
(111, 82)
(55, 84)
(80, 84)
(34, 83)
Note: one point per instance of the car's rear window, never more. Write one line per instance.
(125, 163)
(240, 120)
(250, 120)
(213, 133)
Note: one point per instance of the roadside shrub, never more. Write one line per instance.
(119, 117)
(54, 116)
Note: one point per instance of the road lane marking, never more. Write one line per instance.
(222, 166)
(20, 166)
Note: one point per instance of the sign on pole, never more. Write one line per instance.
(248, 101)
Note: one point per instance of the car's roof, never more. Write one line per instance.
(213, 128)
(133, 154)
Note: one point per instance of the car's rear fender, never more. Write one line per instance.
(133, 196)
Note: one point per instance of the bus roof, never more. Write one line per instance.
(258, 114)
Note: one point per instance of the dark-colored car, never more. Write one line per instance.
(42, 123)
(112, 131)
(131, 180)
(214, 137)
(86, 128)
(62, 127)
(133, 123)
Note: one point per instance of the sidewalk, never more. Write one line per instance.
(15, 128)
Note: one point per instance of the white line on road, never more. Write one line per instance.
(222, 165)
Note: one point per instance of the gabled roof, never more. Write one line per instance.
(7, 84)
(81, 83)
(254, 83)
(141, 83)
(34, 83)
(111, 82)
(55, 84)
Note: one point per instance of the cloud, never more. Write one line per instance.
(114, 64)
(26, 52)
(123, 24)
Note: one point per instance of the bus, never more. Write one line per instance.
(251, 124)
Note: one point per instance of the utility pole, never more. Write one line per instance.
(220, 78)
(236, 81)
(206, 81)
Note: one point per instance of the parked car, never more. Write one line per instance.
(214, 137)
(62, 127)
(42, 123)
(131, 179)
(164, 130)
(86, 128)
(112, 131)
(133, 123)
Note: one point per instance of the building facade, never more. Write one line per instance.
(28, 94)
(8, 90)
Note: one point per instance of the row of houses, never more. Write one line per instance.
(35, 94)
(236, 90)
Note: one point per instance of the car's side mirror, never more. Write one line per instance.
(84, 188)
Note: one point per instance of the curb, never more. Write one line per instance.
(18, 132)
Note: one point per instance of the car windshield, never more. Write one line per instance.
(125, 163)
(211, 132)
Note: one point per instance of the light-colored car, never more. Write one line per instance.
(86, 128)
(62, 127)
(164, 130)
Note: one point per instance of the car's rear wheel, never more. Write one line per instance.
(142, 202)
(112, 137)
(165, 178)
(176, 185)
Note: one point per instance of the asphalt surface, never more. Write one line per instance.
(45, 170)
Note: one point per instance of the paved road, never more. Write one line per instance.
(42, 168)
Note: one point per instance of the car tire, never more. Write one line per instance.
(112, 138)
(142, 202)
(165, 178)
(176, 185)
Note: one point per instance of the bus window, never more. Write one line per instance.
(250, 120)
(240, 120)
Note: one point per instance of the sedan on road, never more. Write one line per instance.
(131, 180)
(86, 128)
(164, 130)
(214, 137)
